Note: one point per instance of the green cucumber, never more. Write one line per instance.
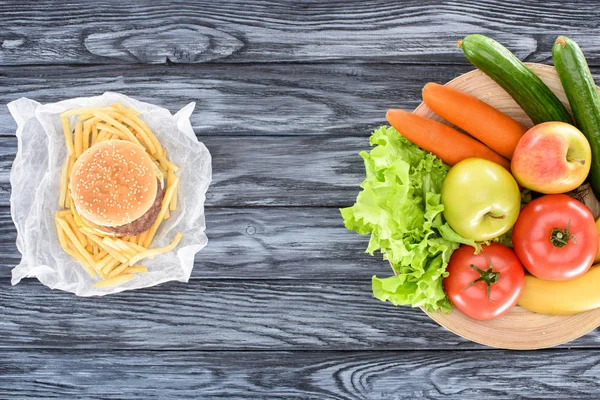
(521, 83)
(582, 93)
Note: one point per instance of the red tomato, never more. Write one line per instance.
(487, 285)
(556, 238)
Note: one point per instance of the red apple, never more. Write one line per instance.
(553, 157)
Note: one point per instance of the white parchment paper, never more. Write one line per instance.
(35, 181)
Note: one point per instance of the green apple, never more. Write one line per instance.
(481, 199)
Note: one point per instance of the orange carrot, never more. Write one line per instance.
(445, 142)
(482, 121)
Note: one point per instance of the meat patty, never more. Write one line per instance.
(143, 223)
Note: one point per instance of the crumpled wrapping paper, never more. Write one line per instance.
(35, 181)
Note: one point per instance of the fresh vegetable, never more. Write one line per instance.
(583, 97)
(445, 142)
(528, 90)
(556, 238)
(481, 199)
(487, 285)
(400, 207)
(566, 297)
(552, 157)
(498, 131)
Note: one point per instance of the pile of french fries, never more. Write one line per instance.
(107, 257)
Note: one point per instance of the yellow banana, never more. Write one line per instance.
(562, 297)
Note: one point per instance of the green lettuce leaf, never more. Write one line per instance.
(400, 207)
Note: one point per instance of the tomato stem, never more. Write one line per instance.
(486, 276)
(560, 237)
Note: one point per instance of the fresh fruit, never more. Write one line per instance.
(487, 285)
(598, 229)
(583, 97)
(528, 90)
(556, 238)
(496, 130)
(553, 157)
(448, 144)
(481, 199)
(559, 298)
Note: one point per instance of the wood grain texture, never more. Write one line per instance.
(265, 171)
(223, 315)
(250, 100)
(261, 243)
(109, 32)
(282, 99)
(565, 374)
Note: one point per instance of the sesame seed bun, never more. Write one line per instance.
(113, 183)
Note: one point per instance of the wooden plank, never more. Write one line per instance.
(261, 243)
(562, 374)
(282, 99)
(80, 32)
(219, 315)
(265, 171)
(250, 100)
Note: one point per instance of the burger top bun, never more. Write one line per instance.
(113, 183)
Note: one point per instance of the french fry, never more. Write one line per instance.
(136, 269)
(111, 266)
(166, 164)
(100, 254)
(163, 209)
(64, 182)
(120, 127)
(141, 238)
(141, 134)
(117, 280)
(157, 251)
(67, 229)
(87, 130)
(121, 248)
(70, 167)
(80, 111)
(111, 130)
(118, 270)
(85, 117)
(89, 269)
(150, 134)
(105, 261)
(61, 234)
(167, 215)
(94, 133)
(104, 247)
(75, 228)
(131, 245)
(101, 136)
(78, 138)
(124, 110)
(68, 135)
(173, 204)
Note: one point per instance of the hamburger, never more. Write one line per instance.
(117, 188)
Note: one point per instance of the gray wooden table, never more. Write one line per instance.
(279, 304)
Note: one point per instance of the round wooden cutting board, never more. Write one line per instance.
(520, 329)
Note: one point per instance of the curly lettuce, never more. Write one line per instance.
(400, 207)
